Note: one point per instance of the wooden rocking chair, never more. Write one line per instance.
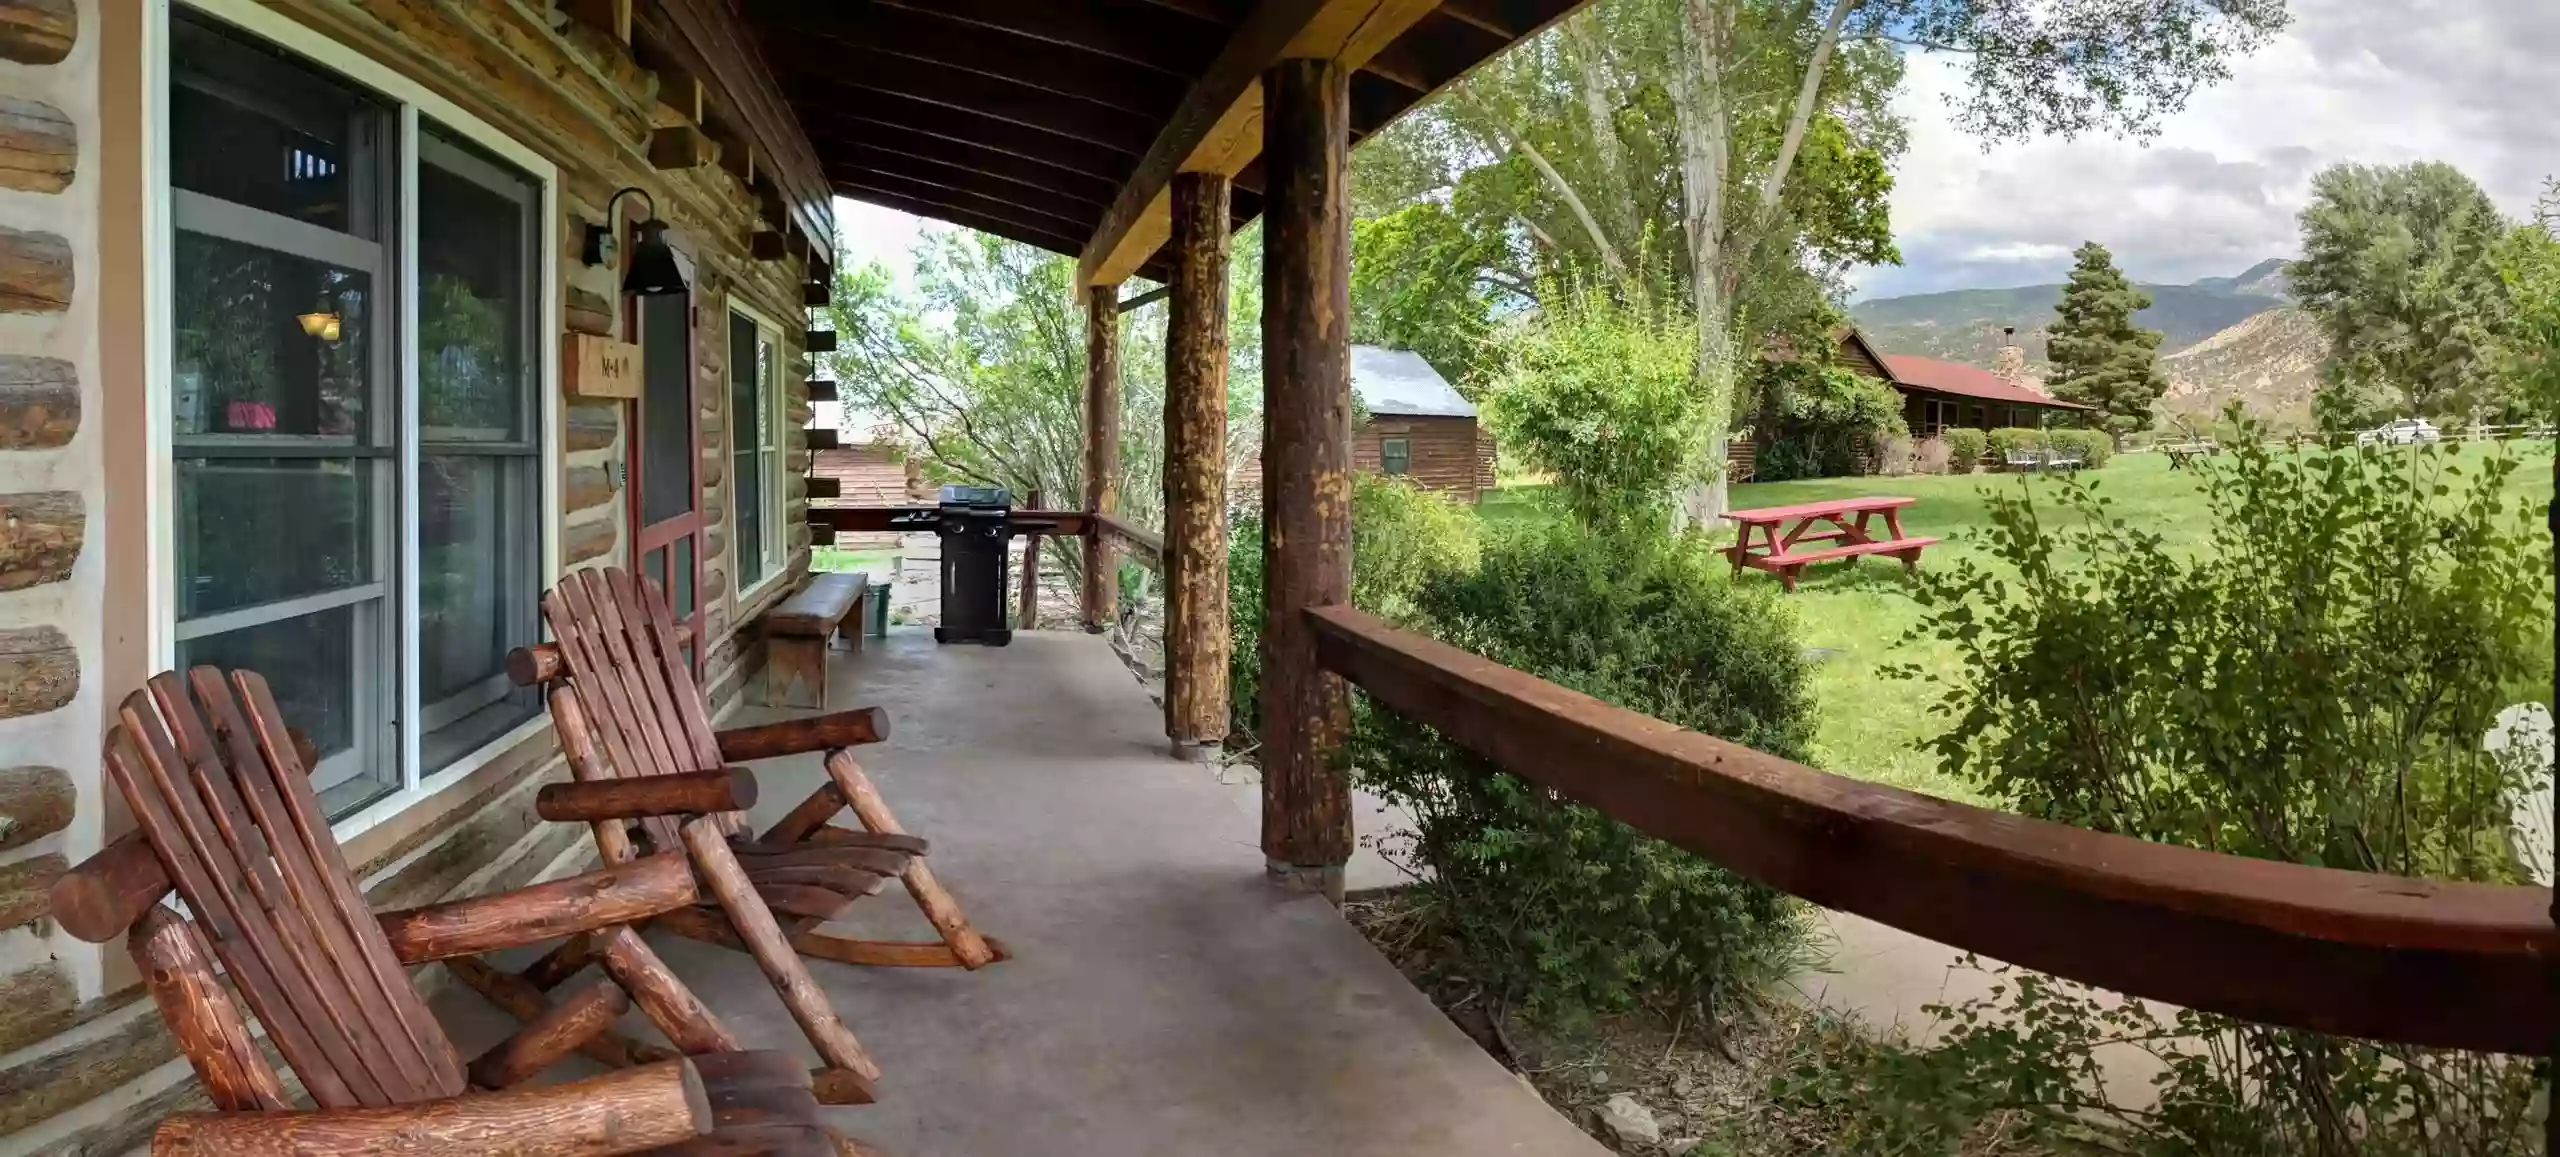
(217, 787)
(630, 715)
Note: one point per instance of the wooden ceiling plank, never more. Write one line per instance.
(983, 50)
(1035, 236)
(1001, 100)
(849, 156)
(1053, 219)
(833, 118)
(1172, 46)
(1218, 126)
(876, 137)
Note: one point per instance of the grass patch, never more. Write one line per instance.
(882, 562)
(1856, 616)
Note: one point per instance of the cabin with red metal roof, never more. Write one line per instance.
(1937, 395)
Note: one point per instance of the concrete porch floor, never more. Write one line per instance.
(1162, 999)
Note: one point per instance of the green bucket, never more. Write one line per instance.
(879, 609)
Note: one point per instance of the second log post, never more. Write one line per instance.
(1101, 448)
(1306, 467)
(1195, 471)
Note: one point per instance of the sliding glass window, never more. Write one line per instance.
(288, 403)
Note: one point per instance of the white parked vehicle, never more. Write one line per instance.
(2405, 432)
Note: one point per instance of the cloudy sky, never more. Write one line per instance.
(2472, 82)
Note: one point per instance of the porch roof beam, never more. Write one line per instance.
(1218, 126)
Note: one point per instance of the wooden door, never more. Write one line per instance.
(666, 482)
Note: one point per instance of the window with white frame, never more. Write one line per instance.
(755, 446)
(359, 523)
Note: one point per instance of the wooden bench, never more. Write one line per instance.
(1788, 565)
(795, 668)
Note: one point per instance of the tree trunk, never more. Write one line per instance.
(1775, 186)
(1706, 134)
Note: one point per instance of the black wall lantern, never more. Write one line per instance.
(653, 270)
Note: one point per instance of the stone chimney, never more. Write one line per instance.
(2010, 363)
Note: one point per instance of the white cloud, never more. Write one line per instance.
(2462, 81)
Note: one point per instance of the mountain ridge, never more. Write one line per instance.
(1964, 325)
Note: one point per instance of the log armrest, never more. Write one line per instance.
(629, 1111)
(800, 736)
(623, 894)
(692, 793)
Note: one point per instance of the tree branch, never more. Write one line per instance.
(1573, 202)
(1806, 96)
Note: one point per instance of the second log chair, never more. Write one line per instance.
(227, 820)
(630, 715)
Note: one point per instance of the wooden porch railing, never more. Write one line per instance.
(1146, 548)
(2382, 957)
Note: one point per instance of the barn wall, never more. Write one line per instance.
(85, 1066)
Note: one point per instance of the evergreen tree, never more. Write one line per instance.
(2100, 358)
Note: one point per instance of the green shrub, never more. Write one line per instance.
(1550, 904)
(1402, 536)
(2311, 685)
(1964, 449)
(2095, 446)
(2011, 439)
(1603, 391)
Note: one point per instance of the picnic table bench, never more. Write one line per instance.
(1786, 531)
(2182, 454)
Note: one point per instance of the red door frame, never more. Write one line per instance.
(664, 535)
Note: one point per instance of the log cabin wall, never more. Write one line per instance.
(1445, 456)
(85, 1065)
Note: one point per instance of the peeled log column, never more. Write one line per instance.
(1195, 470)
(1306, 466)
(1101, 447)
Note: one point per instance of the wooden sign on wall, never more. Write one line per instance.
(600, 367)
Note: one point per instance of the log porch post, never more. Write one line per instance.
(1195, 471)
(1306, 467)
(1101, 448)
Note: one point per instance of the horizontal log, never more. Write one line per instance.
(629, 1111)
(2446, 965)
(521, 999)
(800, 736)
(35, 802)
(1145, 546)
(103, 895)
(691, 793)
(544, 662)
(622, 894)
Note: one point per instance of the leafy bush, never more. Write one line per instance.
(1402, 536)
(2311, 686)
(1786, 461)
(1603, 392)
(1546, 902)
(2095, 446)
(1964, 449)
(1894, 456)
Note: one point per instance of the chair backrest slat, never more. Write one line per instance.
(248, 849)
(609, 708)
(623, 653)
(637, 673)
(649, 618)
(278, 787)
(165, 802)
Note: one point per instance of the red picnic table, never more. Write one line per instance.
(1818, 522)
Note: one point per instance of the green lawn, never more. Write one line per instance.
(1854, 616)
(882, 563)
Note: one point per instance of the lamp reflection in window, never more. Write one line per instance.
(323, 326)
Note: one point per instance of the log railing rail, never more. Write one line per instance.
(1145, 547)
(2420, 962)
